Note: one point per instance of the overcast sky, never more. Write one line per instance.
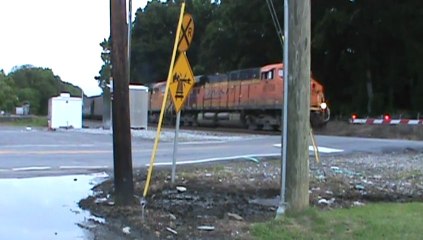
(62, 35)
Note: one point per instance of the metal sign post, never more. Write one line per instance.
(180, 88)
(180, 81)
(175, 146)
(183, 80)
(159, 125)
(282, 204)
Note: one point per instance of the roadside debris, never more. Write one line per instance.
(358, 204)
(206, 228)
(235, 216)
(172, 217)
(181, 189)
(171, 230)
(126, 230)
(326, 202)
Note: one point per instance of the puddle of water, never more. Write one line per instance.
(44, 207)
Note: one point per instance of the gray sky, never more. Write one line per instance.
(63, 35)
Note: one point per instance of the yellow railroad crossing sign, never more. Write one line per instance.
(182, 81)
(187, 33)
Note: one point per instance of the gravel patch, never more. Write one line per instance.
(227, 198)
(357, 178)
(167, 135)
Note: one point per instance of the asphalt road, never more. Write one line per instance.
(71, 151)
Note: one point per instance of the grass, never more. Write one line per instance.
(373, 221)
(34, 121)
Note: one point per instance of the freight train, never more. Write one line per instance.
(249, 98)
(93, 107)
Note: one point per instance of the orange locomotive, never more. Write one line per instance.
(244, 98)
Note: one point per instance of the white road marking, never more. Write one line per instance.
(49, 168)
(30, 168)
(321, 149)
(325, 149)
(247, 157)
(48, 145)
(199, 142)
(100, 174)
(83, 167)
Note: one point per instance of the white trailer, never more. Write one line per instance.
(65, 111)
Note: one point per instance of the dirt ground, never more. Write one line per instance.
(222, 201)
(344, 128)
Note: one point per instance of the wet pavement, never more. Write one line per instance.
(45, 207)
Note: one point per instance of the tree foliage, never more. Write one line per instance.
(8, 97)
(105, 71)
(32, 85)
(365, 53)
(152, 41)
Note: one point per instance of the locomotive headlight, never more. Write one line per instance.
(323, 106)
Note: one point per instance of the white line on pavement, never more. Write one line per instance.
(30, 168)
(321, 149)
(325, 149)
(48, 145)
(199, 143)
(243, 157)
(83, 167)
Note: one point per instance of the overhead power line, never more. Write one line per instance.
(275, 19)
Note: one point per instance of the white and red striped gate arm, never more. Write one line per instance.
(375, 121)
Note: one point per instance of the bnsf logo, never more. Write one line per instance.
(214, 93)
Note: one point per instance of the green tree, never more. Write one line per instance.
(203, 13)
(31, 96)
(37, 85)
(228, 35)
(153, 36)
(366, 53)
(242, 35)
(69, 88)
(104, 74)
(8, 97)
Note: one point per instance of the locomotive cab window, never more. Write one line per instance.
(267, 75)
(280, 73)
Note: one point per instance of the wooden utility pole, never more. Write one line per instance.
(122, 152)
(297, 162)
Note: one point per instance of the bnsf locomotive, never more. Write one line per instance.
(244, 98)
